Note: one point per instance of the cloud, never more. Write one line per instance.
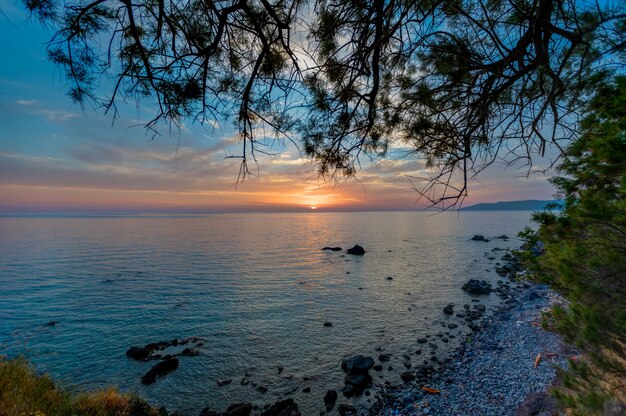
(26, 102)
(58, 116)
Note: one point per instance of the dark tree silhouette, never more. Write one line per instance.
(461, 82)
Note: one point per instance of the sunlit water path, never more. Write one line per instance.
(256, 287)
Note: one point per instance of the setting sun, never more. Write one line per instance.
(313, 207)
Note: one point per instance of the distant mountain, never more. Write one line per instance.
(527, 205)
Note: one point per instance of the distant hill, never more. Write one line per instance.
(527, 205)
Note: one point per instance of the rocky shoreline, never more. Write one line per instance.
(505, 368)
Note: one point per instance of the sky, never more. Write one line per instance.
(58, 157)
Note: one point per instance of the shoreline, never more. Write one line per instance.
(493, 372)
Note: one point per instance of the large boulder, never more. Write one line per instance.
(357, 364)
(477, 287)
(356, 250)
(448, 310)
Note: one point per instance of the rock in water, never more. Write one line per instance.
(358, 380)
(332, 248)
(479, 237)
(407, 376)
(282, 408)
(330, 398)
(224, 382)
(346, 410)
(209, 412)
(356, 250)
(328, 324)
(357, 364)
(477, 287)
(159, 370)
(138, 353)
(239, 409)
(448, 310)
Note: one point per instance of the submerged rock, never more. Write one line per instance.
(224, 381)
(190, 352)
(448, 310)
(356, 250)
(479, 237)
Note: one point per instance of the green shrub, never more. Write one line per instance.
(24, 393)
(585, 253)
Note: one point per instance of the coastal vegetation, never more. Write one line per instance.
(582, 253)
(23, 392)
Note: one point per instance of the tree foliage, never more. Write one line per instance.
(458, 83)
(585, 251)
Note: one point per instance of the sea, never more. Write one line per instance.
(255, 288)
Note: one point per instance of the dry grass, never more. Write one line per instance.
(24, 393)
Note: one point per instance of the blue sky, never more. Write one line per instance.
(56, 156)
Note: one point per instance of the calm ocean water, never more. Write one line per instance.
(256, 287)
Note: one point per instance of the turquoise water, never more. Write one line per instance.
(255, 287)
